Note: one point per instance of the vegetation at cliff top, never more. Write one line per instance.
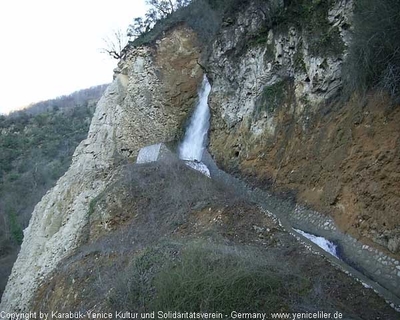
(200, 15)
(36, 147)
(207, 17)
(374, 54)
(159, 10)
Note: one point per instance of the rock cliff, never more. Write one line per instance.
(278, 120)
(148, 102)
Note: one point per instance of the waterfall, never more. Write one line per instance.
(195, 139)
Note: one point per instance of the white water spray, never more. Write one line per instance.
(321, 242)
(195, 139)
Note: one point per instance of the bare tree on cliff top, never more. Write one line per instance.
(114, 44)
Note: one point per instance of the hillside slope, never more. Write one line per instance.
(163, 237)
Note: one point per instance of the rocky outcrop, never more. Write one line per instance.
(148, 101)
(161, 84)
(57, 221)
(276, 120)
(248, 65)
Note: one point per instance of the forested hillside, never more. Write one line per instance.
(36, 146)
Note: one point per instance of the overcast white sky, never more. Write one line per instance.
(50, 48)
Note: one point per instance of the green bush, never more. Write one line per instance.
(374, 55)
(272, 97)
(222, 279)
(15, 227)
(133, 287)
(205, 277)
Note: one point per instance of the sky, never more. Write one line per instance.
(50, 48)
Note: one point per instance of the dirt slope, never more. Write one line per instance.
(145, 226)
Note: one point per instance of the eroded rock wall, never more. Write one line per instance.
(150, 98)
(276, 120)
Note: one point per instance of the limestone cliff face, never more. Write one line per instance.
(275, 120)
(161, 83)
(148, 101)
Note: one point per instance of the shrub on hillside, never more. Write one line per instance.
(204, 277)
(221, 278)
(374, 54)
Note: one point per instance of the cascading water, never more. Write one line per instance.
(321, 242)
(195, 139)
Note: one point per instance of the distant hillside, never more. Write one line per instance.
(88, 96)
(36, 146)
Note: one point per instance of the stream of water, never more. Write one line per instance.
(321, 242)
(195, 140)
